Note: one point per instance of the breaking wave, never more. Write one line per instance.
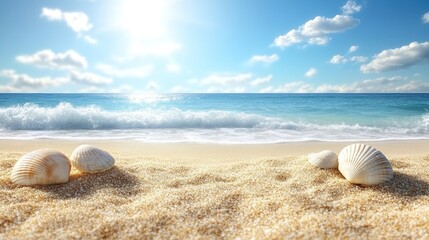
(173, 124)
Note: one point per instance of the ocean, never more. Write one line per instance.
(215, 118)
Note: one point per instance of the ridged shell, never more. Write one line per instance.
(91, 159)
(41, 167)
(363, 164)
(324, 159)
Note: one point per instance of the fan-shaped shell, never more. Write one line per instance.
(363, 164)
(41, 167)
(91, 159)
(324, 159)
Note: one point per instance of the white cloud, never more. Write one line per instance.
(394, 84)
(311, 72)
(264, 58)
(382, 84)
(359, 59)
(152, 86)
(262, 80)
(316, 31)
(48, 59)
(353, 48)
(320, 26)
(351, 7)
(414, 86)
(173, 68)
(24, 82)
(52, 14)
(90, 39)
(228, 79)
(337, 59)
(425, 18)
(9, 89)
(292, 37)
(89, 78)
(398, 58)
(77, 21)
(140, 72)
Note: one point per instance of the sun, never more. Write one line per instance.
(143, 19)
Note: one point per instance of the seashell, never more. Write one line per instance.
(324, 159)
(91, 159)
(41, 167)
(363, 164)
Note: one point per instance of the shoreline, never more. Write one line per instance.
(217, 150)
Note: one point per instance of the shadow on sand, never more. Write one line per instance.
(404, 185)
(80, 185)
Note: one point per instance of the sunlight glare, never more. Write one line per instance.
(143, 19)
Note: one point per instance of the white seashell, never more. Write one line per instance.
(363, 164)
(91, 159)
(324, 159)
(41, 167)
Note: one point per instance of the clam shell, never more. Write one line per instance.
(91, 159)
(324, 159)
(41, 167)
(363, 164)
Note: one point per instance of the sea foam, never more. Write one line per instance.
(163, 125)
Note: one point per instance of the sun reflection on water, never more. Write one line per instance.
(151, 98)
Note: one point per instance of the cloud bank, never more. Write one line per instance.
(234, 83)
(89, 78)
(398, 58)
(396, 84)
(49, 59)
(24, 82)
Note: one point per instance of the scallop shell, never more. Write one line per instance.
(363, 164)
(41, 167)
(324, 159)
(91, 159)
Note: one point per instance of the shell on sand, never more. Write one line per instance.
(363, 164)
(90, 159)
(324, 159)
(41, 167)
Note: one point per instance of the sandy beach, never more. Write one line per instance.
(215, 191)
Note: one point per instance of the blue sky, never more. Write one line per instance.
(214, 46)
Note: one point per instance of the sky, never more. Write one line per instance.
(211, 46)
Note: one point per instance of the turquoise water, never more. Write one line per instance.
(220, 118)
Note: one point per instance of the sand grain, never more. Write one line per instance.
(189, 196)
